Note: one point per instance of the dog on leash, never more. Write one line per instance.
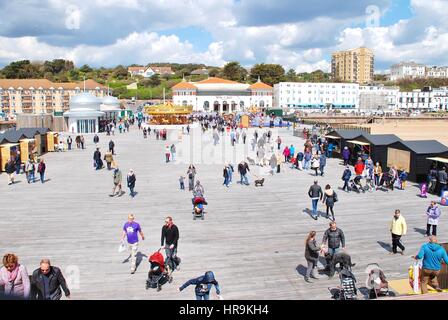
(259, 182)
(251, 161)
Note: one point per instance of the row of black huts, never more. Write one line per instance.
(415, 157)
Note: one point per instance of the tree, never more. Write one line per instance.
(85, 69)
(155, 80)
(268, 73)
(234, 71)
(291, 76)
(120, 73)
(214, 72)
(145, 83)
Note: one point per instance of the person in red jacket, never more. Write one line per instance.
(359, 167)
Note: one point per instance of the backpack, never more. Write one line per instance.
(335, 197)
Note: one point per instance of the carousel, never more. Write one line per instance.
(168, 114)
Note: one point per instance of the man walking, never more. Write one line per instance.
(432, 254)
(322, 164)
(334, 238)
(442, 178)
(69, 142)
(169, 239)
(97, 159)
(117, 182)
(131, 182)
(279, 142)
(82, 142)
(96, 139)
(398, 229)
(316, 194)
(243, 169)
(47, 282)
(346, 175)
(131, 229)
(346, 155)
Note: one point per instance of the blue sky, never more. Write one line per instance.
(298, 34)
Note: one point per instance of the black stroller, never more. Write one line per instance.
(355, 184)
(157, 275)
(347, 289)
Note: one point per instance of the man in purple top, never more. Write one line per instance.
(131, 229)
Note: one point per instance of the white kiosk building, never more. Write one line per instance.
(84, 113)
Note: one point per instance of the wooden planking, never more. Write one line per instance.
(252, 238)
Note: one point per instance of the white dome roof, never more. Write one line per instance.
(109, 100)
(85, 101)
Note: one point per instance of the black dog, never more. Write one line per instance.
(343, 259)
(259, 182)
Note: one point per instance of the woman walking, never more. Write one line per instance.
(330, 197)
(311, 256)
(315, 164)
(433, 213)
(377, 172)
(41, 169)
(286, 153)
(191, 173)
(14, 277)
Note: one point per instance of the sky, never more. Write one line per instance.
(297, 34)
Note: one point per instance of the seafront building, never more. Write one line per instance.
(316, 96)
(223, 96)
(41, 96)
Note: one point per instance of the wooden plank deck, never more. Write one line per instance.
(252, 238)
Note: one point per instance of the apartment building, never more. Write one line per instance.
(40, 96)
(407, 70)
(316, 96)
(355, 65)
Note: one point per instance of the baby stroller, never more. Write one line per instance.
(157, 275)
(347, 290)
(198, 207)
(376, 281)
(355, 184)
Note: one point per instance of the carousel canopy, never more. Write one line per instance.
(168, 108)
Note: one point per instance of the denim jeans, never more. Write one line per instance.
(170, 253)
(226, 181)
(17, 168)
(321, 168)
(132, 191)
(173, 154)
(182, 186)
(42, 177)
(203, 297)
(246, 179)
(314, 204)
(230, 176)
(30, 176)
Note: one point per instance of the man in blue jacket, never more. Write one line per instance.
(203, 286)
(432, 254)
(346, 178)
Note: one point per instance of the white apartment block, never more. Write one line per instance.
(437, 72)
(316, 96)
(407, 70)
(417, 100)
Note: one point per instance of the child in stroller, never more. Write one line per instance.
(355, 184)
(347, 289)
(158, 273)
(376, 281)
(198, 207)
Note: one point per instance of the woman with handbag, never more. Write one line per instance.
(330, 197)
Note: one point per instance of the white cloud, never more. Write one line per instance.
(137, 47)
